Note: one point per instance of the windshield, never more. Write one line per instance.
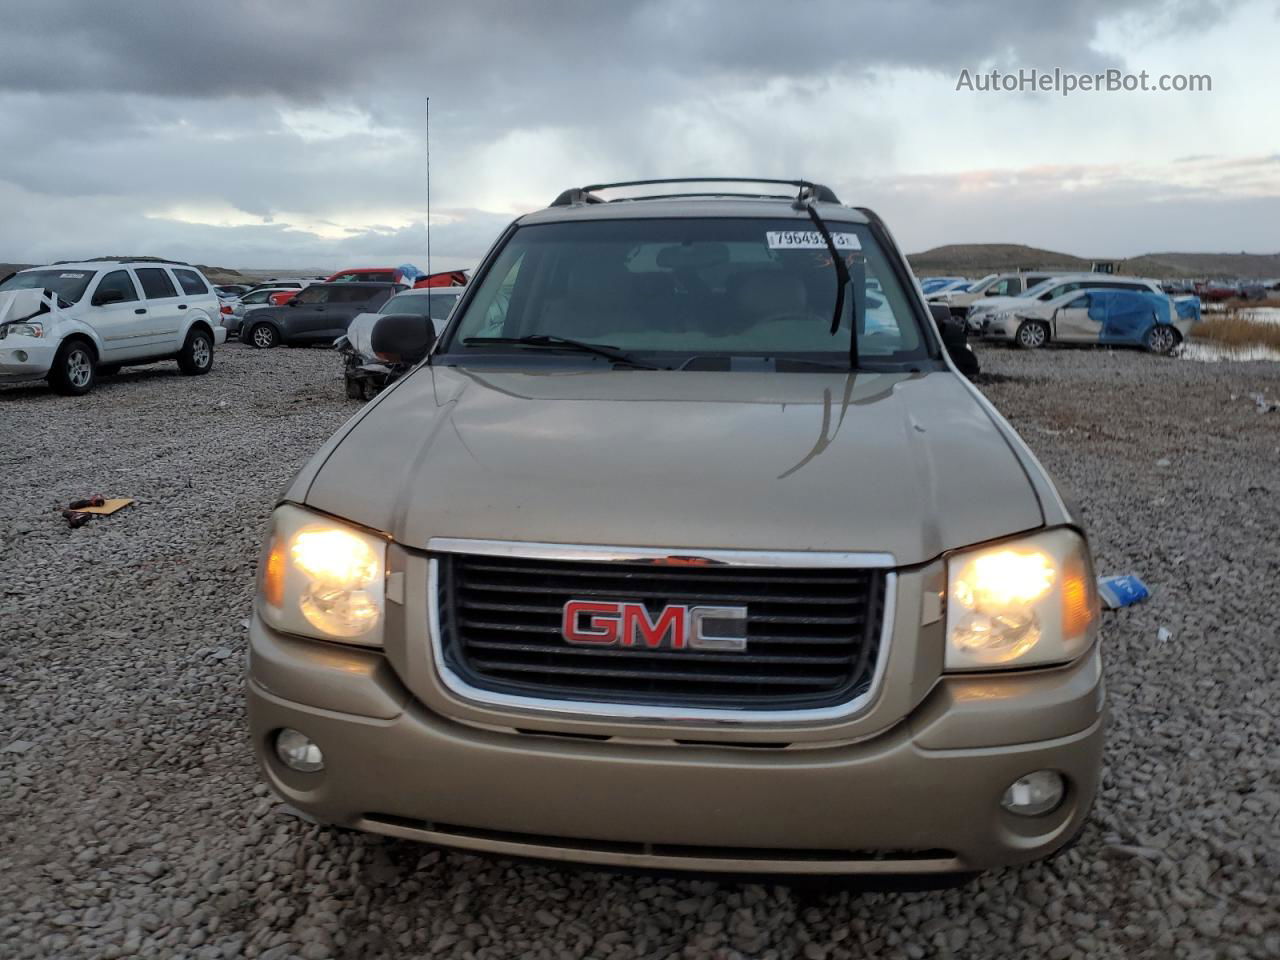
(436, 306)
(1039, 288)
(676, 289)
(69, 285)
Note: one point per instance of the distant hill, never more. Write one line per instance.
(976, 259)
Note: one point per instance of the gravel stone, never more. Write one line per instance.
(134, 824)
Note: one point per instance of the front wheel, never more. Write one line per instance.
(1161, 339)
(1032, 335)
(263, 336)
(197, 353)
(74, 369)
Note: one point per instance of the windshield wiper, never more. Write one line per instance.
(842, 281)
(552, 341)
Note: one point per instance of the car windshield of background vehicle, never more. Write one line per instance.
(674, 289)
(69, 285)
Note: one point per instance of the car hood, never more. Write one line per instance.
(906, 464)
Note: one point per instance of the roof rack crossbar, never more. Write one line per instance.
(808, 191)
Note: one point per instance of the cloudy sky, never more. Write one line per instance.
(252, 133)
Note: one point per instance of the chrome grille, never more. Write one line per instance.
(813, 634)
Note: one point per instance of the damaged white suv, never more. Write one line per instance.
(71, 322)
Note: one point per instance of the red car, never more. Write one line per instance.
(448, 278)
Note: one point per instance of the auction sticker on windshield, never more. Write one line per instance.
(809, 240)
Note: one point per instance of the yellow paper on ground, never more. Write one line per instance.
(111, 506)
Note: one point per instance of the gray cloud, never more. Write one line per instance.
(128, 123)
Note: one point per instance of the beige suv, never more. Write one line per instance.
(667, 555)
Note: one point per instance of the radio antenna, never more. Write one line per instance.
(429, 186)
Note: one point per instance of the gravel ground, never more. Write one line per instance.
(132, 822)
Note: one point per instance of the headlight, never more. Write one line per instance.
(1021, 603)
(322, 578)
(26, 329)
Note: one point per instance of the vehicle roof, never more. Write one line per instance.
(372, 284)
(706, 207)
(1100, 277)
(110, 264)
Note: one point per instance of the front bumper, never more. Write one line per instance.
(921, 797)
(26, 358)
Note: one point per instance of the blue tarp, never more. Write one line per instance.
(1125, 316)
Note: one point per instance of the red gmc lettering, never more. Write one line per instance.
(636, 625)
(603, 629)
(627, 624)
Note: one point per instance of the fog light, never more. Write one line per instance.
(20, 356)
(1034, 794)
(298, 752)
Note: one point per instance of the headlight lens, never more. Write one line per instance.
(27, 329)
(1025, 602)
(323, 578)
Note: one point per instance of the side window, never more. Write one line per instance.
(117, 281)
(156, 284)
(1079, 303)
(356, 295)
(316, 293)
(1015, 285)
(191, 282)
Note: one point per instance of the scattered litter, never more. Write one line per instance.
(108, 506)
(80, 512)
(1121, 591)
(1264, 405)
(1164, 635)
(1164, 462)
(221, 653)
(76, 518)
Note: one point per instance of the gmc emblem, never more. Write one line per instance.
(607, 623)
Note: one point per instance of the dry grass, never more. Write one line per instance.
(1233, 330)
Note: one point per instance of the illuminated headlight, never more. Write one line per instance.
(322, 578)
(27, 329)
(1021, 603)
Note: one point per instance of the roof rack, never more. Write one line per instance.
(806, 191)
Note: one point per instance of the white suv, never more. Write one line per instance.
(69, 322)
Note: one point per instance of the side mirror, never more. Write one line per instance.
(402, 337)
(103, 297)
(955, 337)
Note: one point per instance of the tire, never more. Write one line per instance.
(264, 336)
(196, 357)
(1031, 335)
(1161, 339)
(74, 369)
(354, 390)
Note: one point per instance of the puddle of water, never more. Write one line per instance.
(1260, 314)
(1213, 353)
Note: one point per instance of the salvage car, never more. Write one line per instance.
(319, 313)
(364, 372)
(668, 555)
(984, 308)
(70, 323)
(992, 285)
(1137, 318)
